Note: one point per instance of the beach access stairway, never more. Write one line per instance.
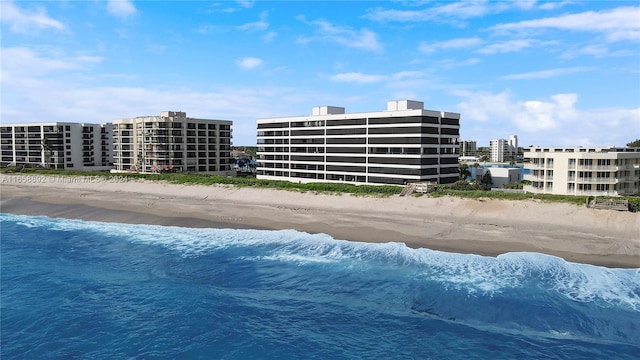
(419, 187)
(609, 204)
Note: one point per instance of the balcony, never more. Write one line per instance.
(531, 177)
(533, 166)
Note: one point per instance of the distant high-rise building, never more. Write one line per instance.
(468, 148)
(504, 150)
(498, 148)
(172, 142)
(513, 145)
(57, 145)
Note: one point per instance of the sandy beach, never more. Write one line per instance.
(484, 227)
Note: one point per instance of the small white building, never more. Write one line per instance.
(57, 145)
(500, 175)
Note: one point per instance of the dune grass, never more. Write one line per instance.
(326, 188)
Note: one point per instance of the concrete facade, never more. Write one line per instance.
(499, 175)
(504, 150)
(468, 148)
(172, 142)
(401, 144)
(57, 145)
(599, 171)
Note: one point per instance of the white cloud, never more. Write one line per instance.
(463, 43)
(506, 47)
(249, 63)
(360, 78)
(121, 8)
(28, 78)
(448, 12)
(360, 39)
(23, 21)
(597, 51)
(491, 115)
(615, 24)
(246, 3)
(546, 74)
(448, 64)
(463, 10)
(552, 5)
(270, 35)
(20, 62)
(356, 77)
(259, 25)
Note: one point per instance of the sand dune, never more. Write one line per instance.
(486, 227)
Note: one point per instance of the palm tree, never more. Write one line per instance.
(46, 147)
(464, 171)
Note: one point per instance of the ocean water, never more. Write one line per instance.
(88, 290)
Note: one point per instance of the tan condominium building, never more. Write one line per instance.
(172, 142)
(600, 171)
(401, 144)
(57, 145)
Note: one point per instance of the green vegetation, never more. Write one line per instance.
(204, 179)
(635, 143)
(464, 171)
(476, 194)
(461, 189)
(249, 150)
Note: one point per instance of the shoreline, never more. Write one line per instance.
(484, 227)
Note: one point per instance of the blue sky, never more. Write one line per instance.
(561, 73)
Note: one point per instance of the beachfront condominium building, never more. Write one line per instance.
(401, 144)
(468, 148)
(503, 149)
(604, 171)
(57, 145)
(172, 142)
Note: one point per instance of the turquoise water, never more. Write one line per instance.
(91, 290)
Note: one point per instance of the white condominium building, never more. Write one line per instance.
(172, 142)
(57, 145)
(403, 144)
(604, 171)
(504, 150)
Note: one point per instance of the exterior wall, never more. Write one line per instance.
(500, 176)
(498, 148)
(58, 145)
(172, 142)
(403, 144)
(503, 150)
(468, 148)
(583, 171)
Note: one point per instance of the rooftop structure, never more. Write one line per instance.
(401, 144)
(172, 142)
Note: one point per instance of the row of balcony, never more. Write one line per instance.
(586, 167)
(587, 180)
